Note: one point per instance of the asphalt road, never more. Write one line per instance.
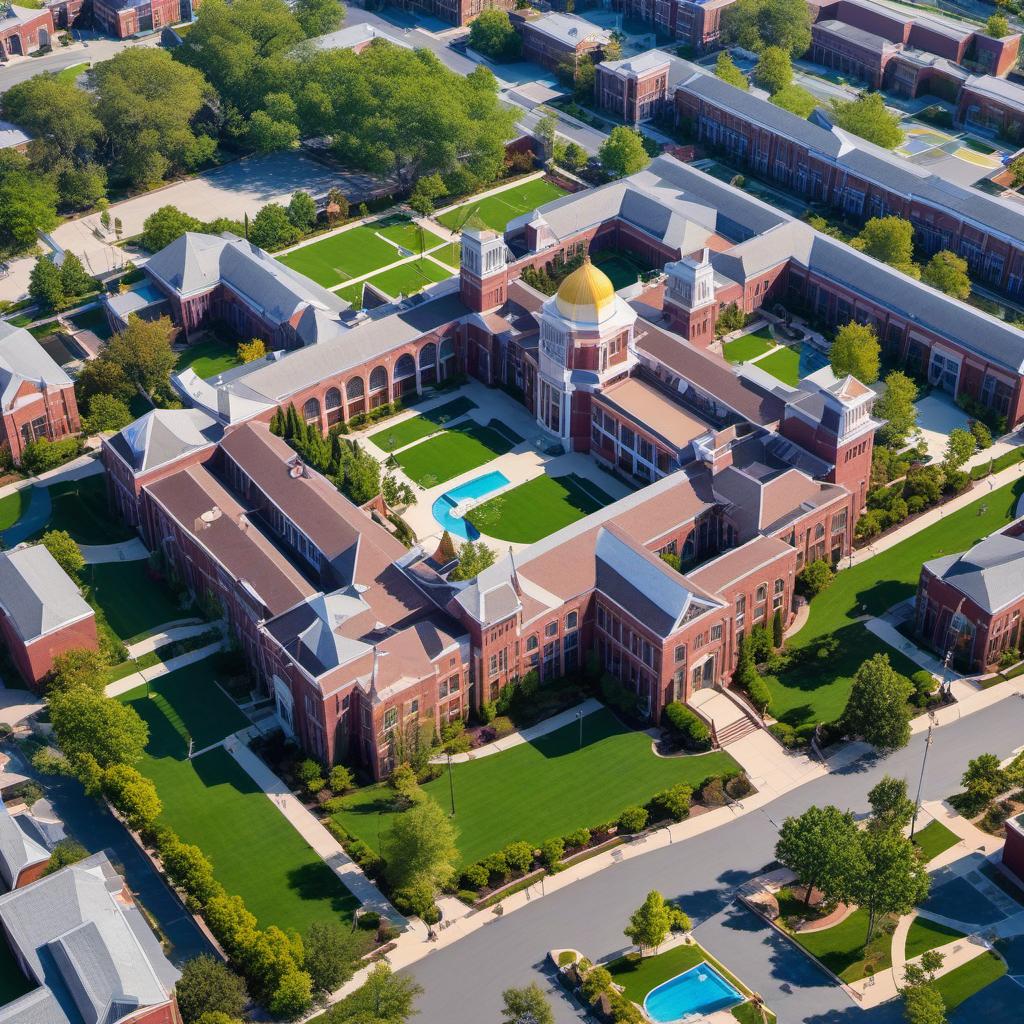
(94, 51)
(463, 983)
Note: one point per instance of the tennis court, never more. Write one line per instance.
(497, 210)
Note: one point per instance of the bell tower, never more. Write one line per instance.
(483, 274)
(690, 298)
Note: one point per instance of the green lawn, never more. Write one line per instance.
(81, 507)
(749, 347)
(924, 935)
(537, 508)
(352, 294)
(621, 268)
(816, 687)
(212, 802)
(962, 982)
(638, 976)
(449, 254)
(70, 74)
(12, 506)
(406, 233)
(841, 948)
(209, 357)
(536, 791)
(340, 257)
(784, 364)
(497, 210)
(410, 278)
(456, 451)
(934, 839)
(426, 423)
(134, 604)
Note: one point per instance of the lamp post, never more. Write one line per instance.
(451, 782)
(579, 718)
(920, 781)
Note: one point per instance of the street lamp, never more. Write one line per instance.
(451, 782)
(579, 718)
(920, 781)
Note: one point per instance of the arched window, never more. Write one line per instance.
(354, 388)
(762, 592)
(311, 410)
(428, 355)
(378, 378)
(780, 586)
(405, 367)
(531, 643)
(447, 348)
(819, 532)
(332, 400)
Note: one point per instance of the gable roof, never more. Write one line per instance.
(18, 850)
(23, 359)
(164, 435)
(37, 594)
(991, 574)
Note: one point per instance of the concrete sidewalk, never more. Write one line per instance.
(181, 631)
(127, 551)
(164, 668)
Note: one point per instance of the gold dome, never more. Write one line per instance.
(586, 295)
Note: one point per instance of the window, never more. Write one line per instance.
(390, 718)
(819, 532)
(716, 632)
(780, 586)
(551, 629)
(442, 689)
(550, 659)
(680, 653)
(572, 620)
(492, 665)
(453, 684)
(762, 592)
(414, 706)
(378, 378)
(531, 643)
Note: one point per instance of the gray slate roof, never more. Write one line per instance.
(991, 574)
(36, 593)
(163, 435)
(22, 359)
(18, 850)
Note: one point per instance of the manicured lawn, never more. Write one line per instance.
(784, 363)
(410, 278)
(620, 268)
(12, 506)
(352, 294)
(748, 1013)
(134, 604)
(343, 256)
(536, 791)
(749, 347)
(924, 935)
(815, 688)
(406, 233)
(81, 507)
(423, 425)
(212, 802)
(458, 450)
(497, 210)
(841, 948)
(67, 74)
(962, 982)
(638, 976)
(449, 254)
(209, 357)
(934, 839)
(537, 508)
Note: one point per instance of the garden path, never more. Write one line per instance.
(144, 675)
(173, 631)
(126, 551)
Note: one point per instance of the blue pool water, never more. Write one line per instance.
(698, 991)
(444, 507)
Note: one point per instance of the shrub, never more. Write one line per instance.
(785, 734)
(309, 771)
(487, 712)
(314, 786)
(687, 726)
(502, 727)
(760, 644)
(580, 837)
(1009, 657)
(924, 686)
(496, 866)
(739, 786)
(519, 855)
(617, 696)
(982, 435)
(475, 876)
(339, 779)
(597, 982)
(712, 792)
(66, 852)
(551, 852)
(815, 577)
(760, 695)
(369, 920)
(47, 761)
(632, 819)
(673, 802)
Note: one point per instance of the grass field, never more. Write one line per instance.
(841, 948)
(426, 423)
(783, 363)
(134, 604)
(497, 210)
(924, 935)
(212, 802)
(450, 254)
(12, 506)
(934, 839)
(962, 982)
(68, 75)
(621, 269)
(81, 507)
(816, 688)
(639, 976)
(410, 278)
(209, 357)
(406, 233)
(749, 347)
(537, 508)
(336, 259)
(539, 790)
(456, 451)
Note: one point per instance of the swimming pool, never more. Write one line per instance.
(699, 991)
(446, 507)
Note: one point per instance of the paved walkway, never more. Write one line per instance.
(187, 628)
(307, 825)
(127, 551)
(164, 668)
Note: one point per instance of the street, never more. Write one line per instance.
(91, 51)
(463, 982)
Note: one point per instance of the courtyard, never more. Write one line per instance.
(498, 209)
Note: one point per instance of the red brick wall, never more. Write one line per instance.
(35, 660)
(56, 405)
(28, 37)
(1013, 850)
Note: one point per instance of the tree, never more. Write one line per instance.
(960, 447)
(757, 24)
(796, 99)
(330, 954)
(886, 876)
(133, 795)
(585, 76)
(384, 998)
(89, 723)
(65, 552)
(102, 377)
(143, 352)
(649, 924)
(774, 69)
(948, 272)
(877, 708)
(250, 351)
(570, 155)
(79, 185)
(474, 557)
(896, 406)
(868, 117)
(623, 153)
(997, 26)
(856, 351)
(302, 211)
(816, 846)
(28, 204)
(267, 134)
(527, 1005)
(493, 35)
(891, 808)
(727, 71)
(208, 986)
(891, 240)
(1016, 169)
(428, 190)
(318, 17)
(77, 667)
(420, 847)
(165, 225)
(147, 101)
(73, 277)
(923, 1004)
(292, 995)
(45, 285)
(815, 577)
(544, 130)
(984, 779)
(66, 852)
(271, 229)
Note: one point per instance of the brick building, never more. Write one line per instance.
(125, 18)
(455, 12)
(551, 39)
(42, 612)
(37, 398)
(1013, 849)
(992, 104)
(23, 859)
(638, 88)
(694, 23)
(24, 30)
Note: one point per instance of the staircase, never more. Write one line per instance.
(728, 719)
(735, 731)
